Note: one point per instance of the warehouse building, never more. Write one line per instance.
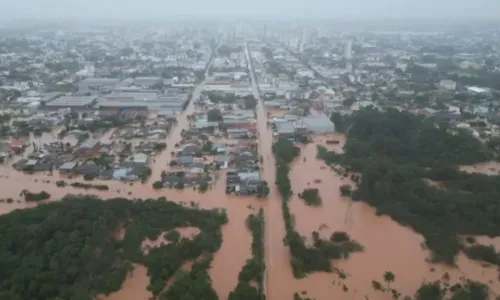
(318, 124)
(71, 102)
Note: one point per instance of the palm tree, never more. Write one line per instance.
(389, 277)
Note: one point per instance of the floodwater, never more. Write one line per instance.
(488, 168)
(134, 287)
(185, 232)
(388, 245)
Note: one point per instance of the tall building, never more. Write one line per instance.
(348, 56)
(348, 50)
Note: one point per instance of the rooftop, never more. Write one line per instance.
(90, 143)
(97, 81)
(72, 101)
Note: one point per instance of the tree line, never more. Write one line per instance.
(305, 259)
(253, 270)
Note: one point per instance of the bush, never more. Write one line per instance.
(377, 285)
(203, 187)
(160, 146)
(89, 177)
(482, 252)
(157, 185)
(345, 190)
(35, 197)
(339, 237)
(311, 196)
(81, 185)
(61, 183)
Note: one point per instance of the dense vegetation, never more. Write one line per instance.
(397, 153)
(70, 249)
(311, 196)
(253, 270)
(304, 259)
(466, 290)
(195, 284)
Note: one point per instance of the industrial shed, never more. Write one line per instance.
(318, 124)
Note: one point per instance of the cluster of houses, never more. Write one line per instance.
(153, 130)
(91, 159)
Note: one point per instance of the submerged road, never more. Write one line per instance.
(174, 136)
(273, 208)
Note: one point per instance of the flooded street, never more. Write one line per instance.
(388, 245)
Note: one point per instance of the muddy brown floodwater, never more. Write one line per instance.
(388, 245)
(134, 287)
(488, 168)
(185, 232)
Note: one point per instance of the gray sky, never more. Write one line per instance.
(308, 9)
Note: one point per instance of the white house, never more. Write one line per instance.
(448, 84)
(454, 109)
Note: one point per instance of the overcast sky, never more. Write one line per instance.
(308, 9)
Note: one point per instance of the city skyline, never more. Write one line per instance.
(259, 9)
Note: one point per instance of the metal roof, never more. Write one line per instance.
(72, 101)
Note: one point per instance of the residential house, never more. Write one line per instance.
(481, 110)
(88, 148)
(140, 158)
(248, 175)
(285, 130)
(219, 147)
(236, 133)
(88, 169)
(5, 151)
(196, 168)
(16, 145)
(68, 167)
(191, 150)
(222, 160)
(185, 160)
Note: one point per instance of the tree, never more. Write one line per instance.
(389, 277)
(311, 196)
(214, 115)
(348, 102)
(263, 189)
(250, 102)
(157, 185)
(345, 190)
(430, 291)
(376, 285)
